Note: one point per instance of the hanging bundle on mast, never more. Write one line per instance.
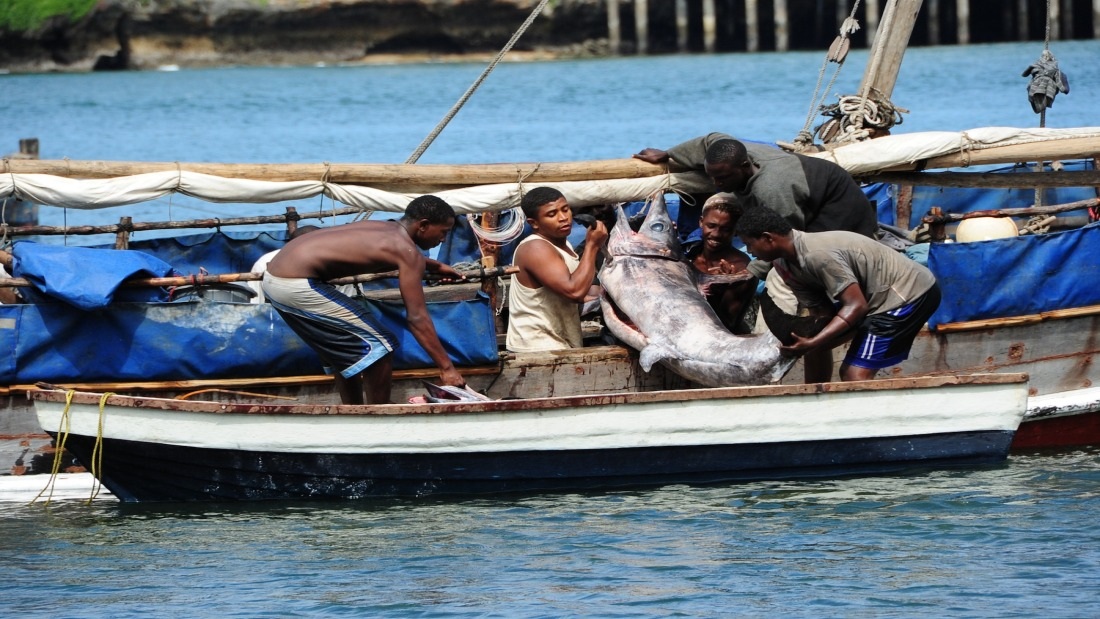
(1047, 80)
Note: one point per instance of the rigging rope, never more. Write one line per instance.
(473, 87)
(838, 53)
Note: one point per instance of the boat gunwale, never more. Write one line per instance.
(530, 404)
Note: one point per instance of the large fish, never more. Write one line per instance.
(651, 302)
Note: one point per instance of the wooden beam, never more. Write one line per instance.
(354, 173)
(752, 25)
(641, 25)
(962, 19)
(999, 180)
(710, 27)
(888, 50)
(614, 29)
(681, 26)
(782, 26)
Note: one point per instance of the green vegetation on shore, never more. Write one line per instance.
(23, 15)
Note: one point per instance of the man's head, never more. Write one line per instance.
(429, 219)
(764, 232)
(548, 212)
(718, 221)
(728, 166)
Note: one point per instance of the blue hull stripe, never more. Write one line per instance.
(139, 472)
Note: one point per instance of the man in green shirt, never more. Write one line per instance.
(875, 295)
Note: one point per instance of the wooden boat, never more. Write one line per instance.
(151, 449)
(1053, 344)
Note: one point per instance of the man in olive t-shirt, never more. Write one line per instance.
(881, 298)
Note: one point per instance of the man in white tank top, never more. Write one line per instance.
(545, 295)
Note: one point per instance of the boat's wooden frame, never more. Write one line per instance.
(151, 449)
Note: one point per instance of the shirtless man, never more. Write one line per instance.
(545, 295)
(337, 327)
(715, 255)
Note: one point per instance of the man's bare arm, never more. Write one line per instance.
(545, 266)
(410, 268)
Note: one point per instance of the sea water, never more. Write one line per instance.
(1017, 539)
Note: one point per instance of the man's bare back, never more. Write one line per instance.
(349, 249)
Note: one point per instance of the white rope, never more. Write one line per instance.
(500, 234)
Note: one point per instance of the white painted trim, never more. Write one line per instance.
(778, 418)
(1063, 404)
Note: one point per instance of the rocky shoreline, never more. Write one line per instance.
(129, 34)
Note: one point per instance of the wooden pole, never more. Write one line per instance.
(291, 221)
(681, 26)
(752, 25)
(1055, 18)
(373, 174)
(641, 25)
(939, 217)
(1022, 20)
(710, 27)
(232, 278)
(934, 22)
(614, 32)
(962, 25)
(122, 237)
(28, 148)
(490, 254)
(888, 50)
(989, 180)
(871, 16)
(782, 26)
(1096, 18)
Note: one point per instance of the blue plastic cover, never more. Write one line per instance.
(55, 342)
(87, 278)
(1016, 276)
(467, 330)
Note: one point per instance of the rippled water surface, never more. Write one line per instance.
(1015, 540)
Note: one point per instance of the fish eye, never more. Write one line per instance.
(657, 227)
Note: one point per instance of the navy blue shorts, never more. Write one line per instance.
(333, 325)
(883, 340)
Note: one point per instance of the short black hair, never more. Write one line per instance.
(535, 198)
(432, 208)
(727, 151)
(760, 219)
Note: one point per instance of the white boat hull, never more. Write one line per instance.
(165, 450)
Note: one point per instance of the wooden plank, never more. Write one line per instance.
(1013, 321)
(234, 383)
(996, 180)
(553, 403)
(887, 52)
(356, 173)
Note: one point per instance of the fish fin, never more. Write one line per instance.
(652, 354)
(628, 334)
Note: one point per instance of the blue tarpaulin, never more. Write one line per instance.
(54, 342)
(1017, 276)
(88, 278)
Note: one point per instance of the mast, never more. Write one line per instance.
(889, 45)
